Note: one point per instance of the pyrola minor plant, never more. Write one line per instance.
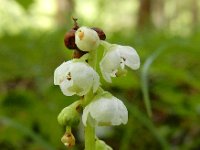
(79, 77)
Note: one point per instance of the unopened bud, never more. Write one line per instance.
(69, 38)
(78, 53)
(100, 33)
(68, 139)
(70, 116)
(86, 39)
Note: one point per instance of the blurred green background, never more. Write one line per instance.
(166, 35)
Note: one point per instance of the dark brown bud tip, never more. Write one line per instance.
(100, 32)
(78, 53)
(76, 26)
(69, 39)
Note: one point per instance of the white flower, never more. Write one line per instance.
(86, 39)
(106, 110)
(76, 78)
(115, 59)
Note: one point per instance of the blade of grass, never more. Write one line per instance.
(144, 78)
(11, 123)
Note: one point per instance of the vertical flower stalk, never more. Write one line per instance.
(88, 40)
(80, 77)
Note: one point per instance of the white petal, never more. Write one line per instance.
(85, 115)
(106, 111)
(89, 39)
(130, 55)
(115, 59)
(109, 63)
(123, 112)
(106, 76)
(82, 76)
(61, 72)
(65, 87)
(76, 78)
(85, 77)
(103, 111)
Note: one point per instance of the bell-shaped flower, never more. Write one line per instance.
(75, 77)
(105, 109)
(86, 39)
(116, 58)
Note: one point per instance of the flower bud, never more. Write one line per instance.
(86, 39)
(100, 33)
(68, 139)
(69, 38)
(70, 115)
(78, 53)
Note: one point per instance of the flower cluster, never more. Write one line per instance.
(79, 77)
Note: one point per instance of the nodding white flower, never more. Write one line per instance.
(105, 110)
(86, 39)
(76, 78)
(116, 58)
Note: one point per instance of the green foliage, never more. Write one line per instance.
(24, 3)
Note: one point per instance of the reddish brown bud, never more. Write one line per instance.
(100, 32)
(70, 39)
(75, 23)
(78, 53)
(68, 140)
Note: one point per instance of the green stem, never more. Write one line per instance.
(90, 130)
(92, 58)
(106, 45)
(89, 137)
(68, 129)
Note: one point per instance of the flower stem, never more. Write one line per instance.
(92, 59)
(106, 45)
(89, 129)
(89, 137)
